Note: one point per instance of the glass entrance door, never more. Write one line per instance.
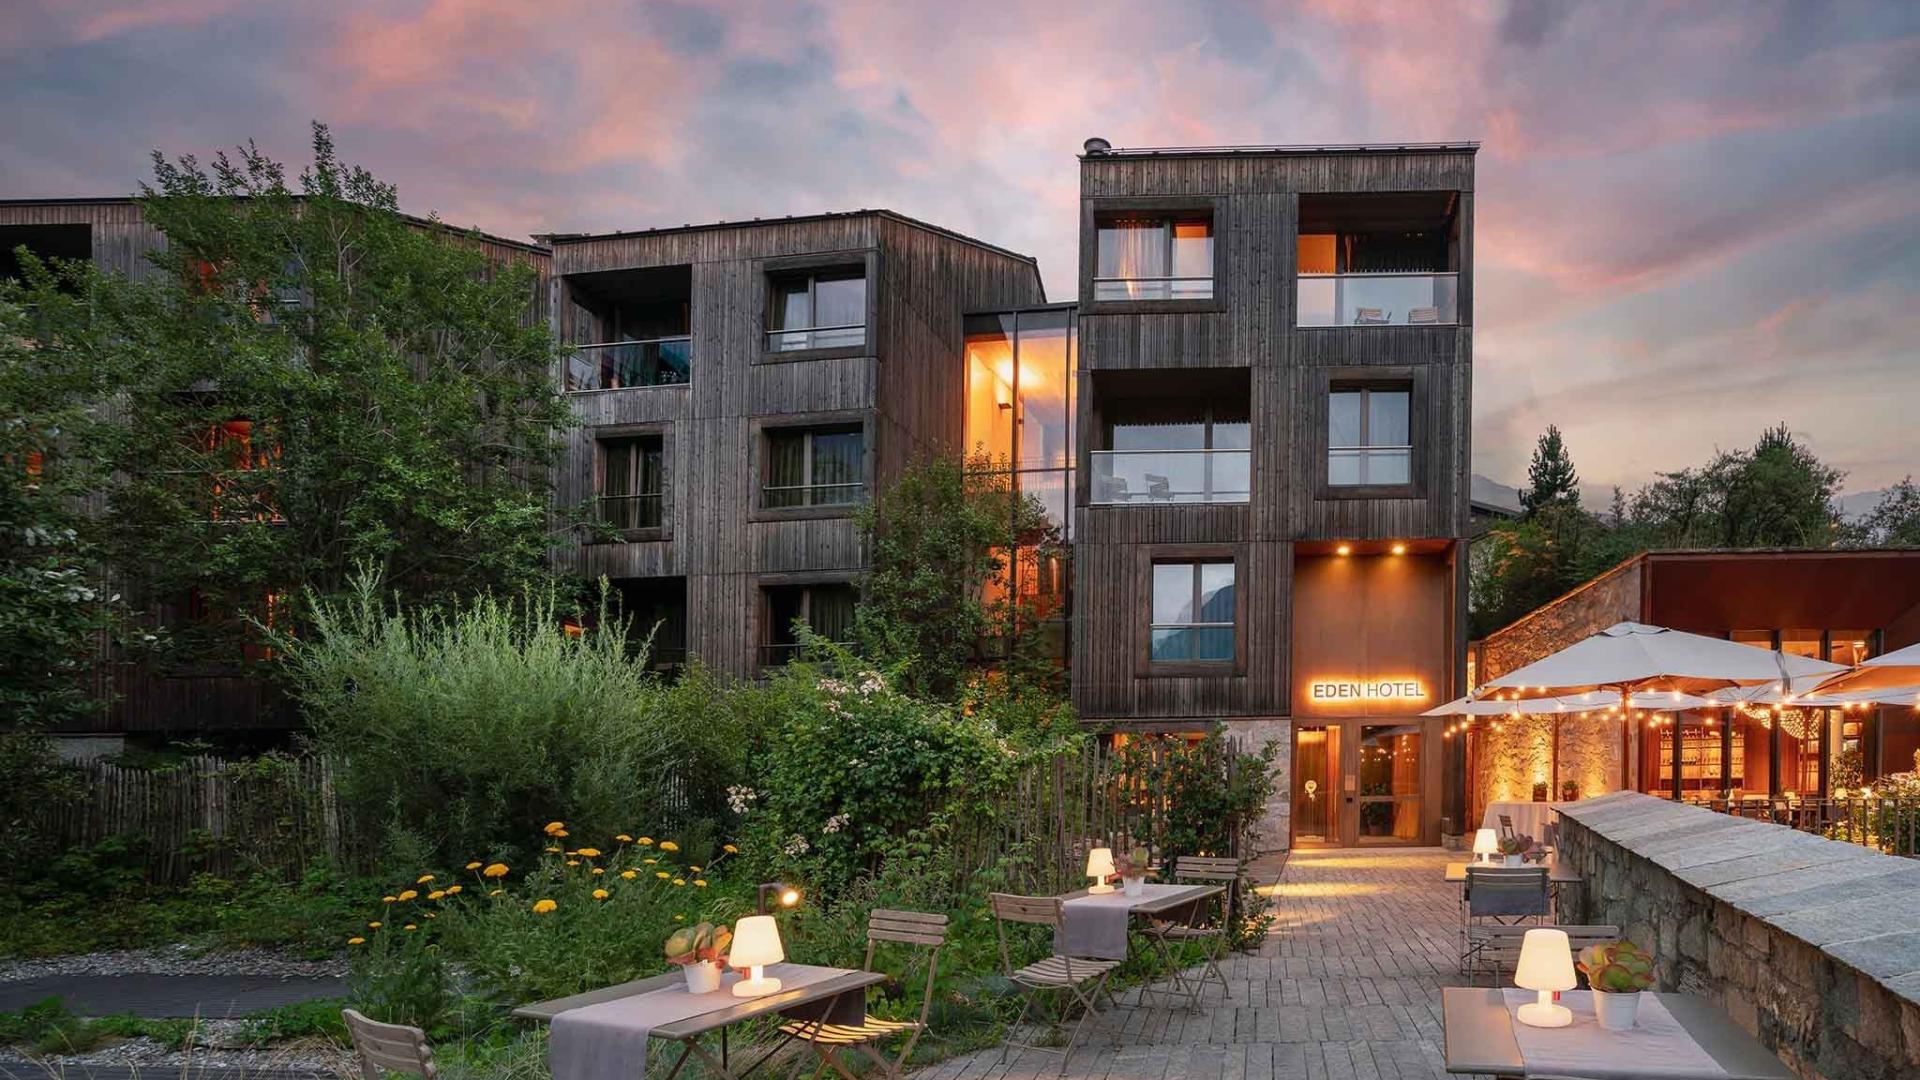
(1314, 752)
(1389, 770)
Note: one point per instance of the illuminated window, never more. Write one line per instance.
(825, 309)
(1370, 436)
(1193, 612)
(821, 466)
(1148, 257)
(632, 482)
(1849, 647)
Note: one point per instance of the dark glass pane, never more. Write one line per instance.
(1387, 419)
(786, 469)
(1216, 592)
(837, 467)
(789, 307)
(1213, 643)
(840, 302)
(1172, 593)
(1172, 644)
(1343, 418)
(830, 611)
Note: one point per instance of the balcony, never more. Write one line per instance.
(1378, 299)
(847, 336)
(623, 365)
(1147, 477)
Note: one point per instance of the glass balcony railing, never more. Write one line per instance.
(1145, 477)
(817, 337)
(622, 365)
(1417, 299)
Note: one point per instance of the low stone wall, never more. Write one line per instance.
(1811, 944)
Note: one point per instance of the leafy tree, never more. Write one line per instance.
(312, 382)
(1551, 479)
(941, 542)
(1893, 522)
(1777, 494)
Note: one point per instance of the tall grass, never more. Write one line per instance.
(452, 728)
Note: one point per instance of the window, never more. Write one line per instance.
(1192, 612)
(824, 309)
(825, 610)
(1369, 436)
(633, 482)
(1174, 450)
(1146, 257)
(820, 466)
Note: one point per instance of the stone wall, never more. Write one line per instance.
(1276, 826)
(1810, 944)
(1610, 598)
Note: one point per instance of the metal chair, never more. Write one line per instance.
(1370, 316)
(1212, 936)
(1498, 947)
(1079, 980)
(383, 1048)
(1423, 316)
(1508, 895)
(1506, 826)
(925, 933)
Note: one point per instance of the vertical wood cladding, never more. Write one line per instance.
(1255, 199)
(904, 386)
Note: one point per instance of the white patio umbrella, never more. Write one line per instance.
(1892, 695)
(1899, 668)
(1794, 691)
(1628, 657)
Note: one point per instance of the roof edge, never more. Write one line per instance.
(1469, 147)
(826, 215)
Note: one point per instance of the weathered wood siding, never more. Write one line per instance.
(1255, 199)
(904, 386)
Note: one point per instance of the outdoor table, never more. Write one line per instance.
(1702, 1043)
(1096, 924)
(1529, 818)
(838, 994)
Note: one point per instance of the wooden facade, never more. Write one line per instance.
(1246, 334)
(902, 387)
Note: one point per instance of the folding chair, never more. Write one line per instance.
(1506, 826)
(925, 934)
(1423, 316)
(1069, 976)
(1212, 936)
(1370, 316)
(1506, 895)
(384, 1048)
(1497, 948)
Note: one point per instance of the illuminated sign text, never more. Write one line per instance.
(1325, 690)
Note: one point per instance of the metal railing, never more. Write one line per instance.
(642, 511)
(817, 337)
(786, 496)
(1885, 823)
(1396, 299)
(624, 365)
(1196, 287)
(1146, 477)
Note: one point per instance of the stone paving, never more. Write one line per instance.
(1347, 987)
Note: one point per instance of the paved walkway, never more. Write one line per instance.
(1345, 988)
(210, 997)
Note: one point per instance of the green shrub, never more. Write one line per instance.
(301, 1020)
(454, 729)
(48, 1027)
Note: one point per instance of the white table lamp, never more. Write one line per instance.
(756, 943)
(1546, 965)
(1485, 844)
(1100, 868)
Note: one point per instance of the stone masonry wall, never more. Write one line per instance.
(1812, 945)
(1276, 826)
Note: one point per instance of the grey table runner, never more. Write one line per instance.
(608, 1041)
(1096, 924)
(1656, 1048)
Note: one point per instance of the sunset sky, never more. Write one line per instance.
(1693, 220)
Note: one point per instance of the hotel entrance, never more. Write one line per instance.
(1365, 782)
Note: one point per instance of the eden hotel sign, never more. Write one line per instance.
(1367, 691)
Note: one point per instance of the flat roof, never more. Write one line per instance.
(790, 219)
(134, 200)
(1302, 149)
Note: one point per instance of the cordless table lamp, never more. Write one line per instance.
(1100, 868)
(756, 943)
(1546, 965)
(1485, 844)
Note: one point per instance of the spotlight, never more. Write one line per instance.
(780, 895)
(1343, 549)
(1399, 549)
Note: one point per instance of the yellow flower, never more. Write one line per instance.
(629, 874)
(649, 862)
(497, 870)
(597, 871)
(600, 894)
(431, 915)
(473, 866)
(356, 941)
(662, 874)
(437, 894)
(693, 869)
(543, 907)
(588, 853)
(668, 845)
(645, 841)
(454, 889)
(699, 883)
(408, 895)
(561, 835)
(624, 838)
(555, 828)
(553, 851)
(373, 926)
(679, 881)
(679, 918)
(573, 862)
(729, 849)
(388, 899)
(410, 927)
(423, 879)
(496, 892)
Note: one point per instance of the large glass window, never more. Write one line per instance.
(1175, 450)
(821, 466)
(825, 610)
(1193, 612)
(1149, 257)
(632, 482)
(1370, 436)
(1390, 782)
(820, 310)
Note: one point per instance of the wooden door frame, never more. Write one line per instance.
(1343, 810)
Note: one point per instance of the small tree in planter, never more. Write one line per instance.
(1617, 971)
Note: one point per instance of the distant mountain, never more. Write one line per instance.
(1859, 504)
(1484, 489)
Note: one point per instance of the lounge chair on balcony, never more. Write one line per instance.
(1159, 488)
(1423, 316)
(1370, 316)
(1117, 489)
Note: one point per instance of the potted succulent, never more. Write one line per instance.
(1133, 875)
(1617, 971)
(1515, 848)
(700, 951)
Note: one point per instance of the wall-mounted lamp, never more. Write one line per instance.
(772, 894)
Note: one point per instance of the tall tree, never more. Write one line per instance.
(1894, 522)
(313, 383)
(1551, 479)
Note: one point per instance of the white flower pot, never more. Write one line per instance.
(702, 977)
(1515, 860)
(1133, 886)
(1616, 1012)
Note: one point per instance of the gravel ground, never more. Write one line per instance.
(171, 960)
(308, 1055)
